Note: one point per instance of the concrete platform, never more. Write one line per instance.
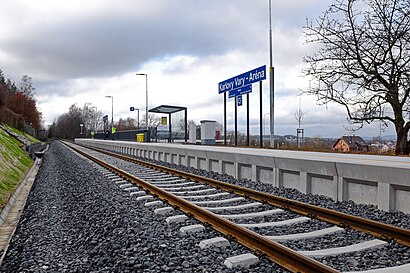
(369, 179)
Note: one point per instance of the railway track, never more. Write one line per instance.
(253, 218)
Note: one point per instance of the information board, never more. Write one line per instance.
(247, 78)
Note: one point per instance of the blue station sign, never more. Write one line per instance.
(240, 81)
(240, 91)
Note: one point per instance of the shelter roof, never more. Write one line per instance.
(167, 109)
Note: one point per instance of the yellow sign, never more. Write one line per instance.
(164, 120)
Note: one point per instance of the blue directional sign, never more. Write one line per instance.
(240, 91)
(239, 100)
(132, 108)
(247, 78)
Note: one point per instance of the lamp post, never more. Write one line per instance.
(138, 118)
(95, 117)
(271, 82)
(146, 97)
(112, 110)
(264, 122)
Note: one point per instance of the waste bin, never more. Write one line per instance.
(140, 137)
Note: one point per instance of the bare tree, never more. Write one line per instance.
(241, 140)
(363, 61)
(126, 124)
(219, 127)
(26, 86)
(153, 121)
(299, 115)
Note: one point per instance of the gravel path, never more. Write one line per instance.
(76, 220)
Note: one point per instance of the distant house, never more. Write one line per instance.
(350, 144)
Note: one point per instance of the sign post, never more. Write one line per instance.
(247, 119)
(105, 120)
(239, 100)
(238, 86)
(138, 115)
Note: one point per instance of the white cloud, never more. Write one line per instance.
(81, 51)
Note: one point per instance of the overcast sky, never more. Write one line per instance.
(81, 51)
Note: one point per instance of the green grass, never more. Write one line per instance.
(14, 164)
(31, 138)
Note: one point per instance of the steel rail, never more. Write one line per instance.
(277, 253)
(381, 230)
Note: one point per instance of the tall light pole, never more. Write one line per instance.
(264, 122)
(95, 117)
(271, 82)
(146, 97)
(138, 118)
(112, 110)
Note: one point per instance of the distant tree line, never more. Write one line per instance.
(67, 125)
(17, 103)
(80, 121)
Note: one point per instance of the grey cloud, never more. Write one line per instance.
(104, 45)
(107, 46)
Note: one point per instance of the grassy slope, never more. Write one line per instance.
(14, 164)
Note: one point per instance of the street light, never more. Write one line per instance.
(264, 122)
(138, 117)
(146, 97)
(112, 110)
(95, 117)
(271, 82)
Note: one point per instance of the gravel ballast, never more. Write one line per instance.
(388, 256)
(77, 220)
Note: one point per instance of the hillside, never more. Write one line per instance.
(14, 164)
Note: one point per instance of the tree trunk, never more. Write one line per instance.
(402, 147)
